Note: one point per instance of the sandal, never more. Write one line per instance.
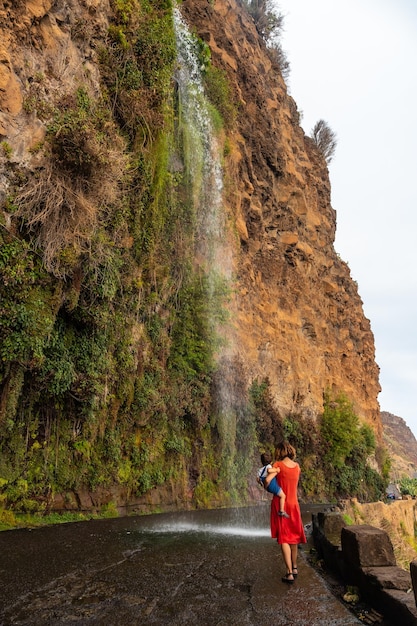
(295, 572)
(287, 579)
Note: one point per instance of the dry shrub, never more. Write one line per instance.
(140, 116)
(325, 139)
(65, 201)
(61, 215)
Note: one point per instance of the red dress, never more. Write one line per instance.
(282, 529)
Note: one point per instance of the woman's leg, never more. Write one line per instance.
(294, 555)
(286, 553)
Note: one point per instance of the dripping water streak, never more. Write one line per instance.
(202, 155)
(202, 162)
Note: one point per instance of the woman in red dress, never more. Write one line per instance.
(288, 532)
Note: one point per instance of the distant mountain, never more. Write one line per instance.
(401, 445)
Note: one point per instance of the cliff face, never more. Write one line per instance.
(401, 445)
(300, 320)
(46, 47)
(105, 371)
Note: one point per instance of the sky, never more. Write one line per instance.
(353, 63)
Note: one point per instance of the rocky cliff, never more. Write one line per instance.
(401, 445)
(300, 320)
(105, 355)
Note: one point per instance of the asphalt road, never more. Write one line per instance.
(207, 568)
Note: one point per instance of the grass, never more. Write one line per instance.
(12, 521)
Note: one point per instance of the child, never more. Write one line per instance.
(267, 476)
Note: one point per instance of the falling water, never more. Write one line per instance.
(202, 164)
(202, 157)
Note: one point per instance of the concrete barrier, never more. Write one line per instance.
(363, 556)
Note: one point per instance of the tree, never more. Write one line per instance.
(408, 486)
(325, 139)
(268, 20)
(269, 23)
(339, 430)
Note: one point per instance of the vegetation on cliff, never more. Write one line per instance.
(325, 139)
(110, 371)
(334, 450)
(107, 324)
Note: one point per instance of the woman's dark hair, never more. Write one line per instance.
(284, 449)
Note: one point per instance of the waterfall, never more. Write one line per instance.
(203, 171)
(202, 157)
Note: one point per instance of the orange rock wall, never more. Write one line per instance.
(299, 318)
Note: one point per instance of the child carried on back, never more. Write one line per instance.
(267, 477)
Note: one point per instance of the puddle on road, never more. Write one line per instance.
(236, 531)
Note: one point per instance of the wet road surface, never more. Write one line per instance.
(206, 568)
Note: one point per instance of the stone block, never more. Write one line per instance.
(399, 606)
(331, 524)
(366, 546)
(392, 577)
(413, 572)
(326, 533)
